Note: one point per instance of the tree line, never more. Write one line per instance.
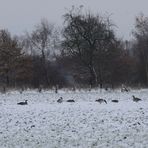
(85, 51)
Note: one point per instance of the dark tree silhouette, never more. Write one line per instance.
(86, 35)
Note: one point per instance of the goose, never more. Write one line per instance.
(60, 100)
(115, 101)
(22, 103)
(136, 99)
(101, 100)
(70, 100)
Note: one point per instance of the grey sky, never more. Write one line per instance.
(21, 15)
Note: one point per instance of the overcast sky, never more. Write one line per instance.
(21, 15)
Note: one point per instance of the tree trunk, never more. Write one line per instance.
(146, 69)
(93, 78)
(100, 77)
(45, 68)
(7, 80)
(46, 73)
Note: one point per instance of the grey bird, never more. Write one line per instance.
(70, 100)
(22, 103)
(60, 100)
(135, 99)
(115, 101)
(101, 100)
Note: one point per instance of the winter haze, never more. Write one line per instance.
(21, 15)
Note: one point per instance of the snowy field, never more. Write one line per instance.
(44, 123)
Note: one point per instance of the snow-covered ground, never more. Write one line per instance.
(44, 123)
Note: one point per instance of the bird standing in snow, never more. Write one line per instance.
(71, 100)
(115, 101)
(101, 100)
(135, 99)
(60, 100)
(22, 103)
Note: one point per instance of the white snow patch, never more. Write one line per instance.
(44, 123)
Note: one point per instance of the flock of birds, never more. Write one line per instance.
(60, 100)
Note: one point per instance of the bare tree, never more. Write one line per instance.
(10, 54)
(43, 41)
(141, 46)
(86, 35)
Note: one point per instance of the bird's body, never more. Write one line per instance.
(101, 101)
(135, 99)
(70, 100)
(115, 101)
(60, 100)
(22, 103)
